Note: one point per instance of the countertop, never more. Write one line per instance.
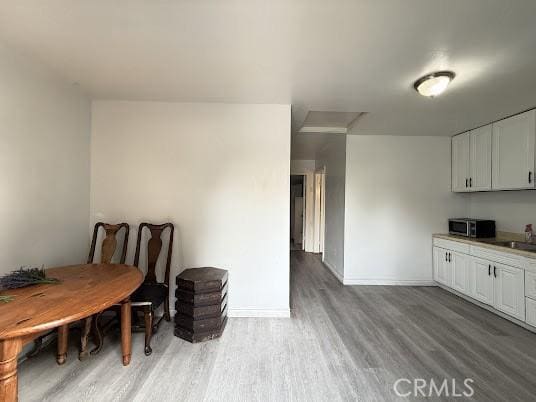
(487, 243)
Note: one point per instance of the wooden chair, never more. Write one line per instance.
(108, 248)
(109, 243)
(152, 294)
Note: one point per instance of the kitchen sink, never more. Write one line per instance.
(518, 245)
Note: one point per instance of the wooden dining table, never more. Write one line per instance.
(83, 290)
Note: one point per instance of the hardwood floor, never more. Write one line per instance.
(342, 343)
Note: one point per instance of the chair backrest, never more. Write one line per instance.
(109, 244)
(154, 247)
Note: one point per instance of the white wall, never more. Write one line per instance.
(333, 158)
(302, 166)
(220, 172)
(44, 167)
(397, 195)
(511, 210)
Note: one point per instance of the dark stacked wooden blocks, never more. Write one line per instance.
(201, 304)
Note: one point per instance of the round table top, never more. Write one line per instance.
(84, 290)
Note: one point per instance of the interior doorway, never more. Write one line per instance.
(297, 212)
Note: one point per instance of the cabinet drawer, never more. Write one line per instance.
(531, 312)
(452, 245)
(501, 257)
(530, 284)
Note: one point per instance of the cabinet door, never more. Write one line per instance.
(460, 272)
(531, 311)
(481, 280)
(513, 152)
(509, 290)
(460, 162)
(480, 159)
(442, 267)
(530, 284)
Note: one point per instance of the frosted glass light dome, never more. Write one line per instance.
(434, 84)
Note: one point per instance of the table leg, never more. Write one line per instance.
(63, 342)
(9, 350)
(86, 328)
(126, 336)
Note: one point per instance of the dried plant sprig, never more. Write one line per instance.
(6, 299)
(25, 277)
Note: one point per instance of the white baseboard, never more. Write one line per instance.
(333, 271)
(241, 312)
(388, 282)
(383, 282)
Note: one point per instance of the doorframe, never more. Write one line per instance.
(323, 214)
(309, 195)
(304, 200)
(319, 211)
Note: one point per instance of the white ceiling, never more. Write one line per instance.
(320, 55)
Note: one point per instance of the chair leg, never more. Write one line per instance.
(167, 316)
(97, 334)
(148, 315)
(38, 346)
(86, 328)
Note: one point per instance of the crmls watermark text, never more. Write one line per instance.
(420, 387)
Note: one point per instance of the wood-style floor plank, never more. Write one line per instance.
(343, 343)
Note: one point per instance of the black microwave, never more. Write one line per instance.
(472, 227)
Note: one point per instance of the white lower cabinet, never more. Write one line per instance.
(498, 285)
(530, 284)
(509, 290)
(452, 269)
(481, 281)
(531, 312)
(442, 266)
(460, 268)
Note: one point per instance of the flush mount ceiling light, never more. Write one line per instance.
(434, 84)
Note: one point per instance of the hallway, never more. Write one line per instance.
(343, 343)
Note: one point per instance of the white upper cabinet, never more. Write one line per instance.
(513, 152)
(499, 156)
(480, 160)
(460, 162)
(471, 160)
